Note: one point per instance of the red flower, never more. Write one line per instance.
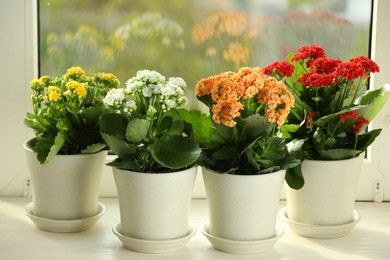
(310, 52)
(282, 67)
(366, 63)
(359, 124)
(309, 118)
(314, 80)
(325, 65)
(350, 70)
(350, 115)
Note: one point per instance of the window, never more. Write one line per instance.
(214, 36)
(177, 42)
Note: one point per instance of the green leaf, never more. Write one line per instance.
(91, 114)
(127, 164)
(225, 152)
(119, 146)
(294, 148)
(94, 148)
(137, 130)
(376, 99)
(200, 123)
(338, 154)
(252, 126)
(323, 121)
(64, 124)
(175, 152)
(294, 177)
(113, 124)
(367, 139)
(47, 149)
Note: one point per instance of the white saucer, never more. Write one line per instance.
(315, 231)
(63, 226)
(242, 247)
(152, 246)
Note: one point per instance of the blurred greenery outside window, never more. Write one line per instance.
(194, 39)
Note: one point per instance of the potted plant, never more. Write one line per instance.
(67, 154)
(328, 122)
(155, 166)
(243, 157)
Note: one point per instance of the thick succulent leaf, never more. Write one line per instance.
(94, 148)
(119, 146)
(376, 99)
(338, 154)
(46, 149)
(200, 124)
(294, 177)
(174, 151)
(137, 130)
(113, 124)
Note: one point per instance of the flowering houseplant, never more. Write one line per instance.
(66, 113)
(144, 127)
(332, 104)
(246, 111)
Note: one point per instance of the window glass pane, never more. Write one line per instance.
(194, 39)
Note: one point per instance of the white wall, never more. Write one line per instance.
(16, 70)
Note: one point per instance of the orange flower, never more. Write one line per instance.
(230, 90)
(278, 99)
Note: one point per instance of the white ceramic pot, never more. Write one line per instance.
(154, 206)
(243, 207)
(67, 187)
(328, 196)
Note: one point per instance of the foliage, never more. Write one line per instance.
(144, 127)
(332, 104)
(66, 113)
(240, 136)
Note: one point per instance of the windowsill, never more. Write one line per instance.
(370, 239)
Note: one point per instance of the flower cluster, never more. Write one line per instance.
(231, 91)
(332, 102)
(241, 133)
(143, 126)
(148, 93)
(358, 122)
(66, 110)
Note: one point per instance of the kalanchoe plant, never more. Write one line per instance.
(144, 127)
(66, 113)
(332, 105)
(246, 111)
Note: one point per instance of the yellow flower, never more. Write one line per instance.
(80, 88)
(54, 96)
(54, 89)
(81, 91)
(75, 71)
(105, 76)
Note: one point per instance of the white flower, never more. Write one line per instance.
(114, 97)
(150, 75)
(182, 101)
(169, 90)
(130, 104)
(170, 104)
(158, 88)
(147, 92)
(178, 82)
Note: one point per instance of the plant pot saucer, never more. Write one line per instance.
(152, 246)
(242, 247)
(316, 231)
(63, 226)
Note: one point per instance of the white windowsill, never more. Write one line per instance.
(370, 239)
